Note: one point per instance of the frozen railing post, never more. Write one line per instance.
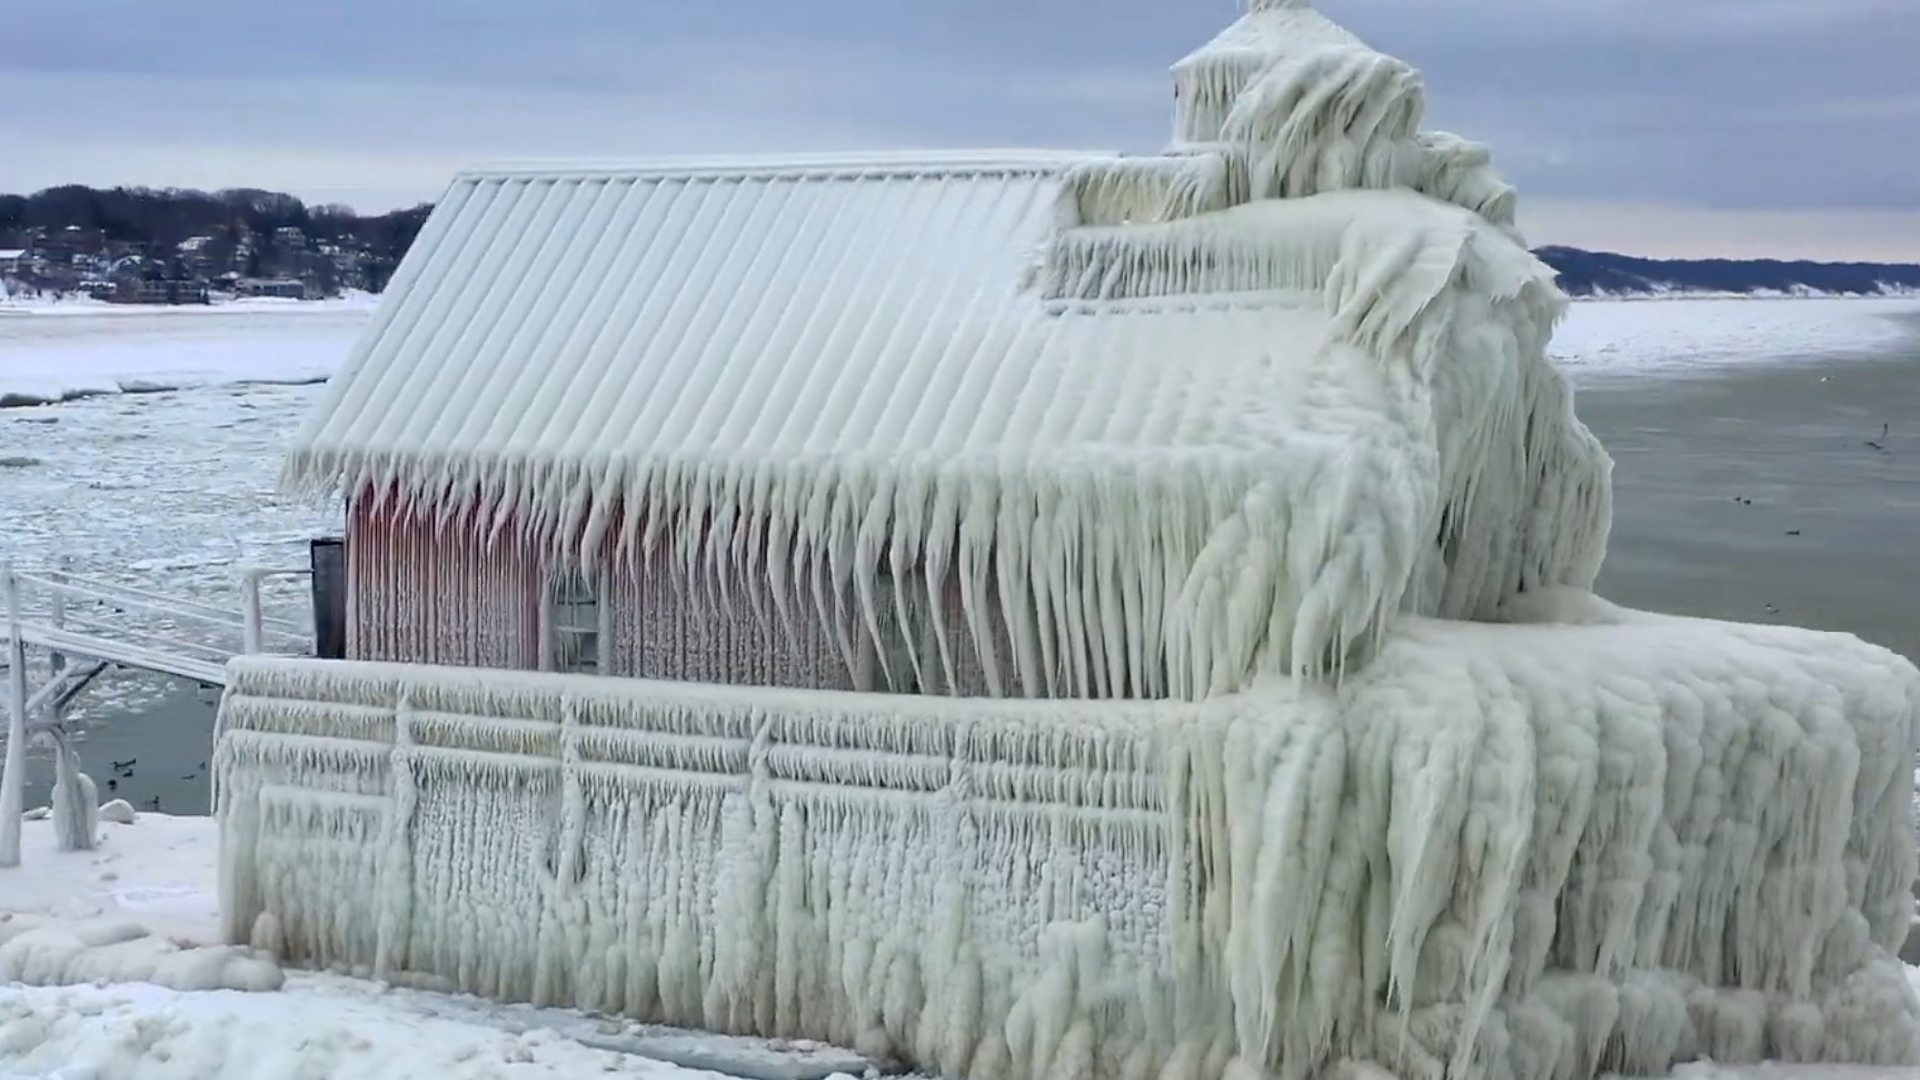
(252, 643)
(255, 626)
(57, 615)
(13, 773)
(76, 817)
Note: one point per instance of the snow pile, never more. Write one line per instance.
(62, 953)
(139, 907)
(1498, 851)
(138, 1032)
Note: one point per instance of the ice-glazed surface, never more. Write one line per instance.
(1625, 338)
(1600, 840)
(1156, 425)
(61, 352)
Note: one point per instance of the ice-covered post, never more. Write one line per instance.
(13, 777)
(57, 615)
(252, 645)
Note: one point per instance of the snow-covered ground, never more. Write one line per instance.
(71, 304)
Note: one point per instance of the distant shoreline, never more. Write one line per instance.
(1665, 298)
(360, 301)
(370, 301)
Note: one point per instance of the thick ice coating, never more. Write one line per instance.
(1240, 477)
(1499, 851)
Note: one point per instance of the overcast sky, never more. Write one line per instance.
(1738, 127)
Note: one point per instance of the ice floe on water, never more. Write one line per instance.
(1605, 338)
(88, 352)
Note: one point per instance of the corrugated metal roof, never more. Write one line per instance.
(844, 310)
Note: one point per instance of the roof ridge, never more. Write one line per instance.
(865, 162)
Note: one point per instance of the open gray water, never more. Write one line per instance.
(1740, 493)
(1754, 495)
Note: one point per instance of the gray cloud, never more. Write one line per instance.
(1743, 110)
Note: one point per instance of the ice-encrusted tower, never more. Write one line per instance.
(1052, 617)
(1285, 104)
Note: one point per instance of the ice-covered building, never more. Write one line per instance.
(1052, 616)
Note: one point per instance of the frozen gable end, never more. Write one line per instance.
(1293, 178)
(1233, 421)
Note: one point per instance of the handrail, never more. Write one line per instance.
(175, 635)
(130, 597)
(14, 767)
(73, 617)
(122, 652)
(128, 632)
(99, 588)
(253, 641)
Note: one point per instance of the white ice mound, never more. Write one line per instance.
(41, 952)
(1499, 851)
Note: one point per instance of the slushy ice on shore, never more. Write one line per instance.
(1035, 616)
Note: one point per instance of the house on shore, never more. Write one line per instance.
(1046, 616)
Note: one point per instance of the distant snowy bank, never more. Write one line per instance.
(1645, 337)
(65, 352)
(1602, 296)
(1601, 273)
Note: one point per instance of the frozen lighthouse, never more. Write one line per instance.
(1033, 616)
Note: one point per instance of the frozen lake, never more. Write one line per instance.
(176, 489)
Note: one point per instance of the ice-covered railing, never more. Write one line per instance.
(84, 615)
(83, 625)
(1500, 852)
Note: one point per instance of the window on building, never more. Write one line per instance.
(576, 638)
